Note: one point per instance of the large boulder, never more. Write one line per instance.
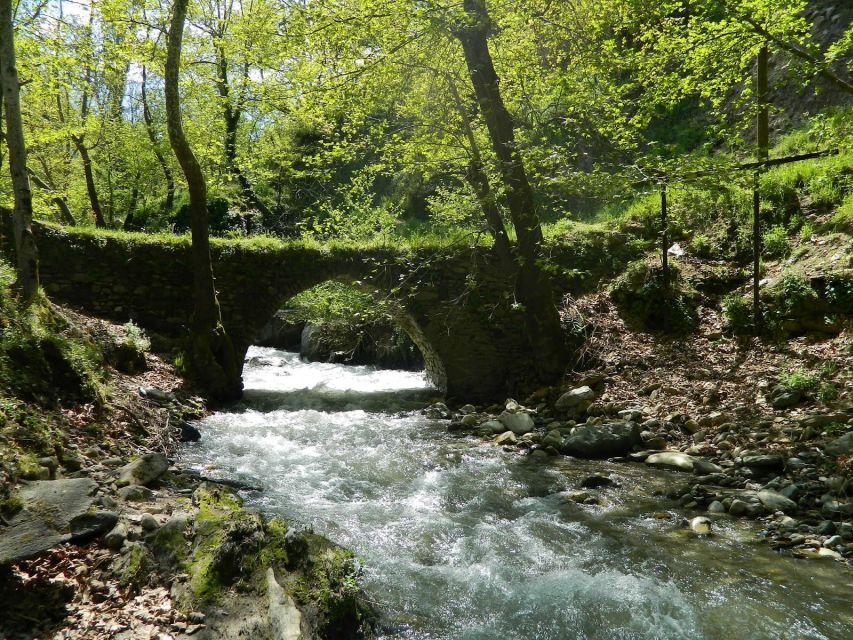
(142, 471)
(575, 398)
(671, 460)
(53, 512)
(519, 423)
(602, 440)
(840, 446)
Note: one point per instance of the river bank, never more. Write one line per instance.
(110, 538)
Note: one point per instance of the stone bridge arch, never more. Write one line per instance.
(474, 344)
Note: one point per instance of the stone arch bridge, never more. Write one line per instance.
(472, 341)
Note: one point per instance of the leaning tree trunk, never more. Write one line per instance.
(212, 358)
(26, 253)
(532, 287)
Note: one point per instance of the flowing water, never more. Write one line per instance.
(461, 540)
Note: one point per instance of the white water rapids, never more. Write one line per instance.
(461, 540)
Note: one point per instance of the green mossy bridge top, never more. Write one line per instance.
(454, 302)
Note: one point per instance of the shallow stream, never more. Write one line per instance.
(461, 540)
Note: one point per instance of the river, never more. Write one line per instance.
(461, 540)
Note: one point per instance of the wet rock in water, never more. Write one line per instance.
(575, 398)
(189, 433)
(602, 441)
(508, 437)
(671, 460)
(493, 427)
(144, 470)
(776, 501)
(700, 525)
(519, 423)
(593, 482)
(469, 420)
(716, 507)
(575, 496)
(44, 521)
(437, 411)
(840, 446)
(467, 409)
(739, 508)
(552, 439)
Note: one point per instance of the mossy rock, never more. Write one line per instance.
(325, 585)
(133, 568)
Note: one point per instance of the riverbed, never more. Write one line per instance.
(461, 540)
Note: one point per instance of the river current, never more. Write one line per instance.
(461, 540)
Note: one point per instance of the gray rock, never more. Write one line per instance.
(148, 522)
(602, 441)
(91, 525)
(840, 446)
(135, 493)
(671, 460)
(508, 437)
(765, 461)
(574, 398)
(776, 501)
(593, 482)
(703, 467)
(49, 509)
(436, 411)
(716, 507)
(493, 426)
(781, 397)
(738, 508)
(285, 618)
(519, 423)
(552, 439)
(143, 470)
(115, 538)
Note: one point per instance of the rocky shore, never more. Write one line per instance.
(109, 538)
(791, 473)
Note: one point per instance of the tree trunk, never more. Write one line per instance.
(91, 189)
(762, 135)
(131, 207)
(26, 252)
(232, 114)
(532, 288)
(211, 354)
(479, 181)
(152, 136)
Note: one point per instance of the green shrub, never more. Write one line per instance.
(134, 337)
(802, 381)
(775, 242)
(737, 313)
(702, 246)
